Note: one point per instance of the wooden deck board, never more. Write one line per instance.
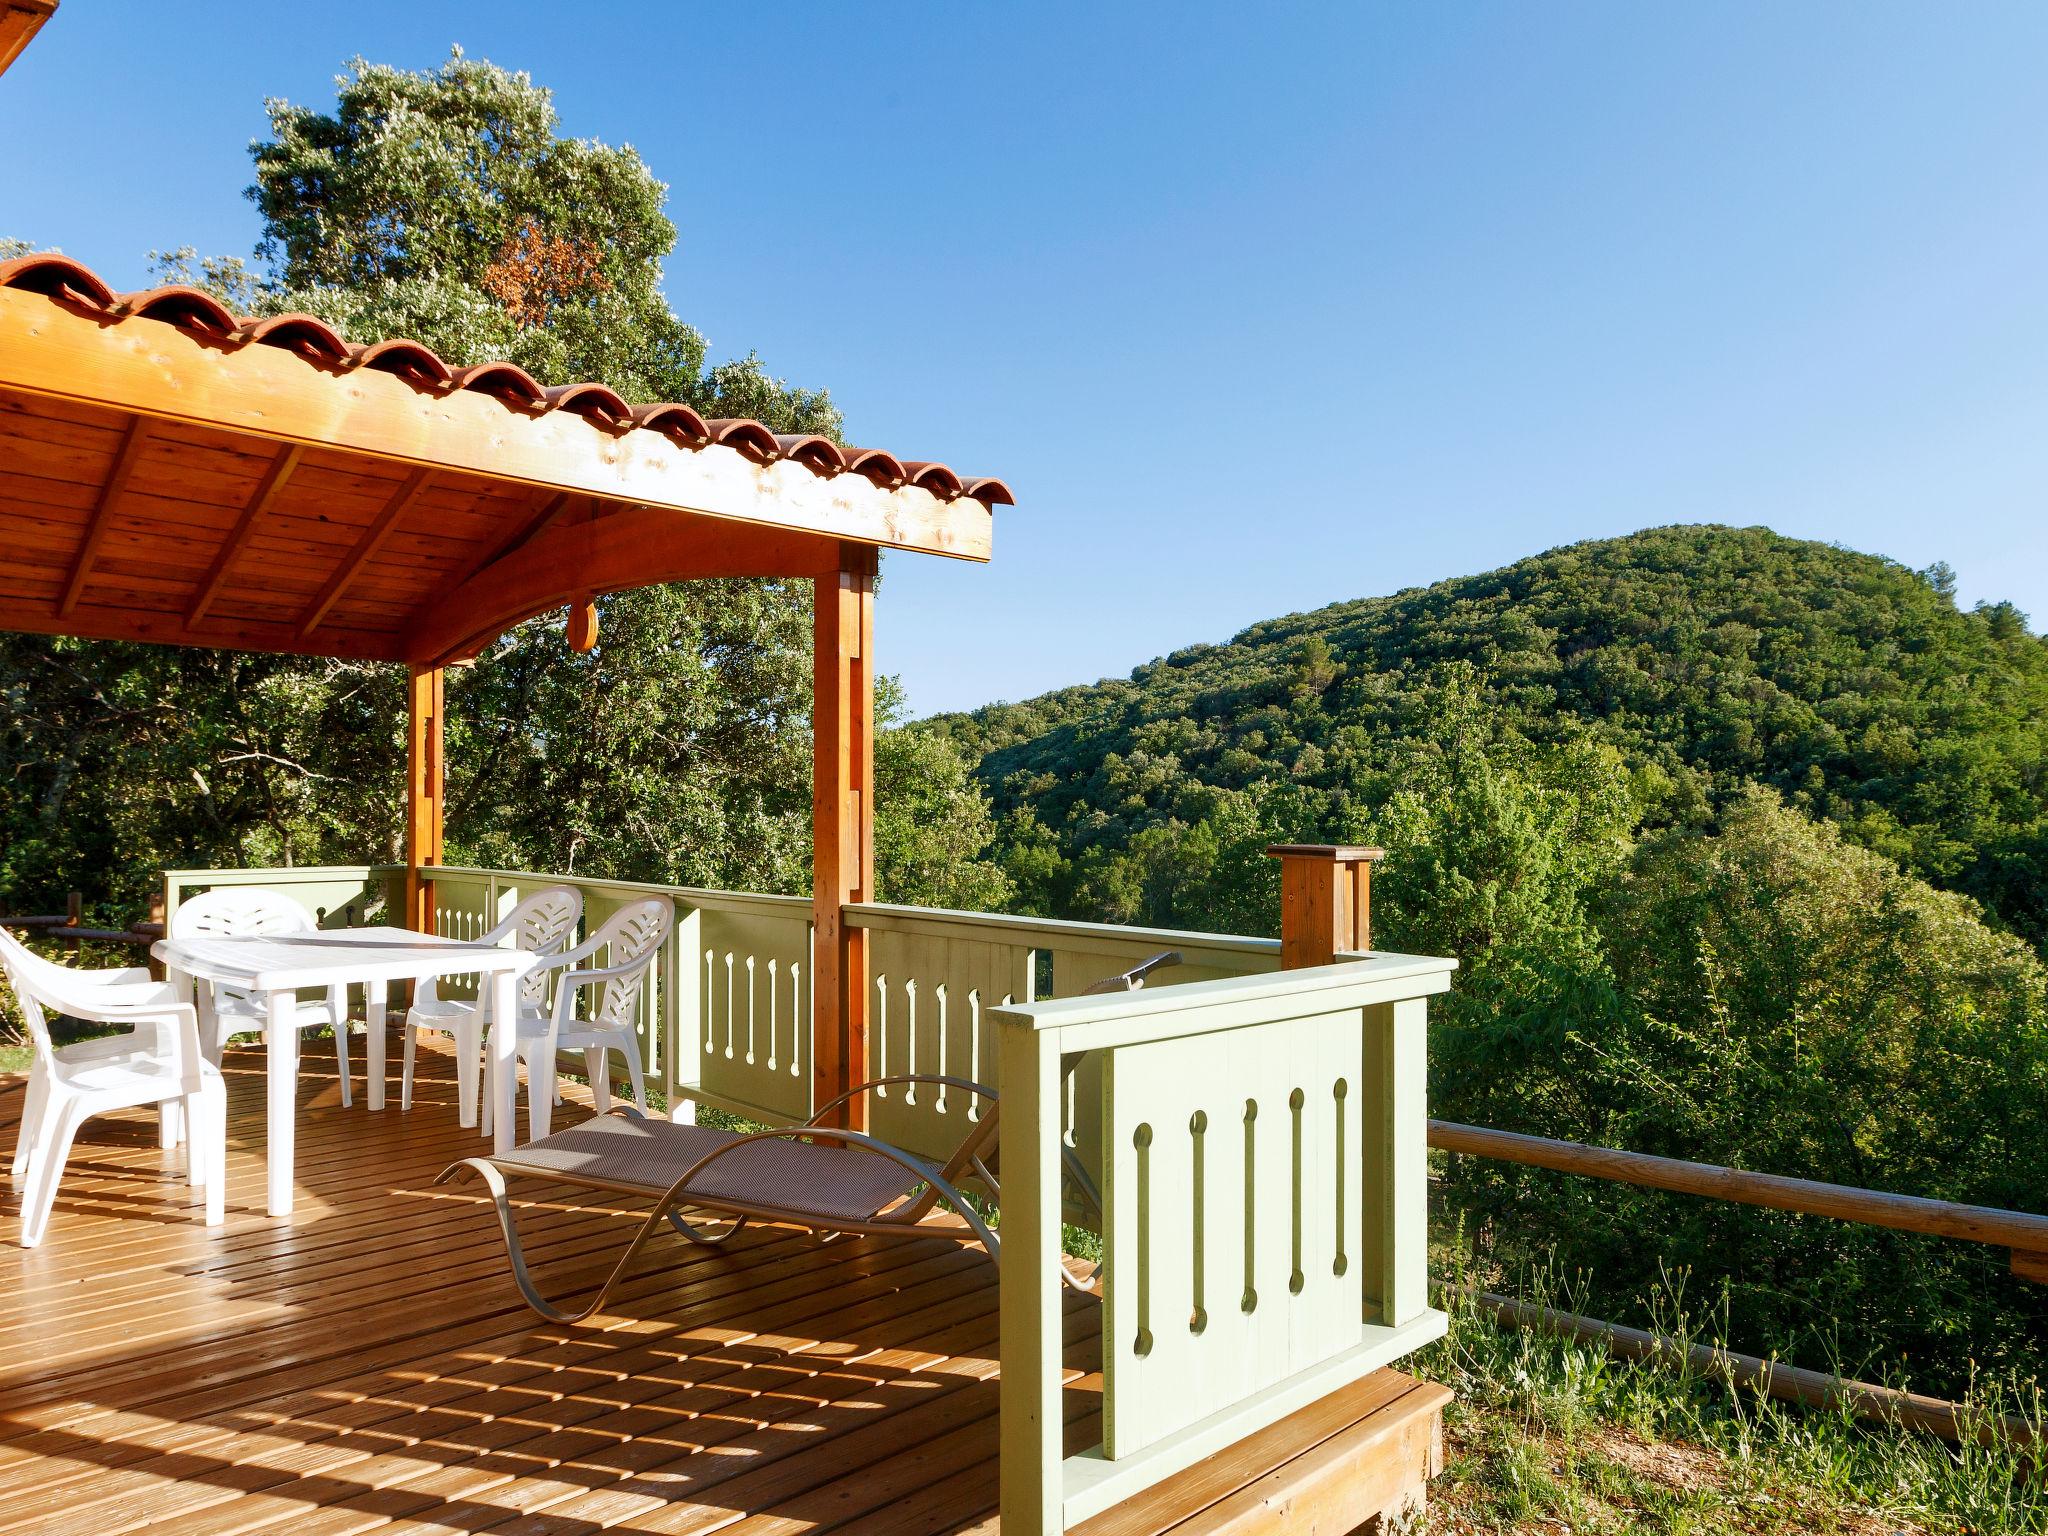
(365, 1365)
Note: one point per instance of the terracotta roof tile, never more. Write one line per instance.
(63, 280)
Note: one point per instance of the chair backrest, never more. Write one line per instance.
(43, 987)
(544, 924)
(235, 912)
(27, 974)
(631, 937)
(239, 912)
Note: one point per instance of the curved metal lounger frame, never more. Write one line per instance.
(678, 1192)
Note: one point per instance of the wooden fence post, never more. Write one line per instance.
(1325, 901)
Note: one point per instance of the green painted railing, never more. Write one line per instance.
(1251, 1143)
(1264, 1214)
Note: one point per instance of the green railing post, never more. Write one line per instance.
(1396, 1136)
(1031, 1310)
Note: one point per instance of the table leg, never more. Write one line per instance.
(282, 1040)
(375, 996)
(504, 1060)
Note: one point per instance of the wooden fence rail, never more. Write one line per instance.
(2026, 1235)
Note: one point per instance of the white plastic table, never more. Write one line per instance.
(370, 958)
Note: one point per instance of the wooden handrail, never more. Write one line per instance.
(2025, 1234)
(1789, 1383)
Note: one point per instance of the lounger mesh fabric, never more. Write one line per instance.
(623, 1152)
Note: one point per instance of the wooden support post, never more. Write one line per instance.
(423, 783)
(1325, 901)
(842, 822)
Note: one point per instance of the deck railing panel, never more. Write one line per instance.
(937, 976)
(1263, 1200)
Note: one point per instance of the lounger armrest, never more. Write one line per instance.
(965, 1085)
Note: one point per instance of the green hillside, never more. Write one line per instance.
(1740, 842)
(1706, 656)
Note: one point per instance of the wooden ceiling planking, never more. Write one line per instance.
(14, 403)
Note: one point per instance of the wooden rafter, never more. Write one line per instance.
(549, 511)
(373, 539)
(103, 513)
(267, 491)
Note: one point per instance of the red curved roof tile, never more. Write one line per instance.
(990, 492)
(308, 336)
(939, 479)
(598, 402)
(56, 277)
(410, 359)
(676, 420)
(747, 435)
(192, 308)
(885, 469)
(503, 381)
(820, 453)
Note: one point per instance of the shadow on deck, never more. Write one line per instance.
(366, 1364)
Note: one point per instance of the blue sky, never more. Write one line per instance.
(1258, 307)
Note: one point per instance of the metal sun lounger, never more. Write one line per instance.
(811, 1175)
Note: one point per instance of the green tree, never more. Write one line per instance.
(446, 205)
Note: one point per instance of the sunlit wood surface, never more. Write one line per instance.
(365, 1364)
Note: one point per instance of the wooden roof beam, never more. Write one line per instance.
(267, 491)
(552, 509)
(102, 514)
(374, 538)
(626, 548)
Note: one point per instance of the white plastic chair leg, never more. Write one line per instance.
(337, 1000)
(412, 1042)
(59, 1126)
(198, 1138)
(25, 1133)
(596, 1061)
(469, 1045)
(629, 1047)
(170, 1127)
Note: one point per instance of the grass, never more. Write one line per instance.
(1550, 1434)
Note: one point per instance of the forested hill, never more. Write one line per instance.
(1705, 656)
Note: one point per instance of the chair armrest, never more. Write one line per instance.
(965, 1085)
(130, 976)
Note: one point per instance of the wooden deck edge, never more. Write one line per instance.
(1347, 1462)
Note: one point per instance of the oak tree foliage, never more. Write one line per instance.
(447, 205)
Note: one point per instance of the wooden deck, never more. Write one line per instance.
(365, 1364)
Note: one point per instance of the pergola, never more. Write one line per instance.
(176, 474)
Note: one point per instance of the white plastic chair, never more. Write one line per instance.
(226, 1010)
(158, 1062)
(630, 942)
(544, 923)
